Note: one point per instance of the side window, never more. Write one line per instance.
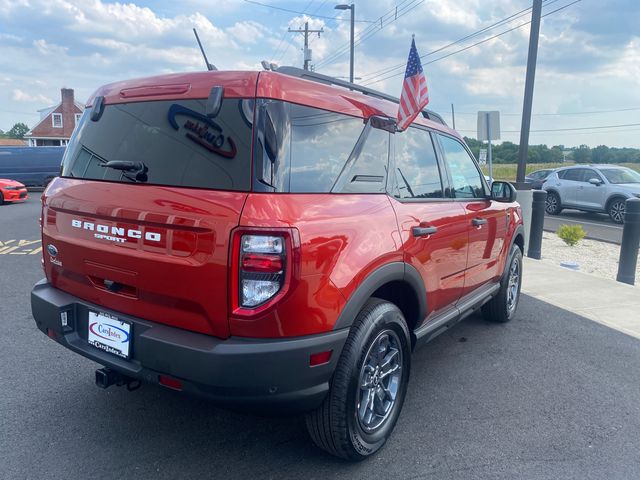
(321, 143)
(466, 177)
(416, 171)
(574, 174)
(368, 172)
(589, 174)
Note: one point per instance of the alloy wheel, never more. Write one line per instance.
(513, 286)
(551, 203)
(616, 211)
(379, 381)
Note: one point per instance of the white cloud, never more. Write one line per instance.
(22, 96)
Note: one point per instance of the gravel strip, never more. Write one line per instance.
(592, 256)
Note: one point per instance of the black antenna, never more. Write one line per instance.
(209, 65)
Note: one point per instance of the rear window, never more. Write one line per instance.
(177, 143)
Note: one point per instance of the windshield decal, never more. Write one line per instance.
(202, 130)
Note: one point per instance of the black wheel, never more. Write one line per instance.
(503, 306)
(368, 387)
(616, 209)
(1, 199)
(552, 203)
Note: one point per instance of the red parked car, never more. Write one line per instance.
(268, 239)
(12, 191)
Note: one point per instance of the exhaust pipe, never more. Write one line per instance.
(105, 377)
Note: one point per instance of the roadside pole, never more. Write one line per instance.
(630, 242)
(489, 129)
(489, 148)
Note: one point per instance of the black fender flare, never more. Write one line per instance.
(395, 271)
(518, 231)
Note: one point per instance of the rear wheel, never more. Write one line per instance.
(368, 386)
(503, 306)
(552, 203)
(616, 209)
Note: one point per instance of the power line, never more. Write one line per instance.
(576, 129)
(514, 16)
(474, 44)
(372, 29)
(303, 13)
(592, 112)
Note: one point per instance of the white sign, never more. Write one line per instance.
(488, 126)
(483, 156)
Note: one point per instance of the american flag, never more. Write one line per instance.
(415, 94)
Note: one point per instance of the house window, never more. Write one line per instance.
(78, 116)
(56, 119)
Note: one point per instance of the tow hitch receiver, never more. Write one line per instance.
(105, 377)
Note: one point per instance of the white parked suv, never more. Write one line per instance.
(592, 188)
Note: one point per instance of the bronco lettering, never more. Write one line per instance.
(105, 229)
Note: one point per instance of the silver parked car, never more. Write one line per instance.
(592, 188)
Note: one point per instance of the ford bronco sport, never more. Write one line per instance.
(268, 239)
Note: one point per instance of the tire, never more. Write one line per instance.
(344, 425)
(616, 208)
(503, 306)
(1, 199)
(552, 203)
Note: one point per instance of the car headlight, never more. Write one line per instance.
(13, 188)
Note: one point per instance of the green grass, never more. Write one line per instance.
(507, 171)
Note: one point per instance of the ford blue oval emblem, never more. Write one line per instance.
(53, 251)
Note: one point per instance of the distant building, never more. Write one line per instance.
(12, 142)
(56, 123)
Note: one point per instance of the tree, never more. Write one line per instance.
(19, 130)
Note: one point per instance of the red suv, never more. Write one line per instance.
(268, 239)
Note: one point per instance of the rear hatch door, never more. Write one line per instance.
(140, 220)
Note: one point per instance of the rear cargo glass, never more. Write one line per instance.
(174, 140)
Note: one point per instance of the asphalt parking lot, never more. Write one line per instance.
(550, 395)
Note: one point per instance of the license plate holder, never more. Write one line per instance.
(109, 334)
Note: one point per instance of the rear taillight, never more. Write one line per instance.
(261, 264)
(262, 268)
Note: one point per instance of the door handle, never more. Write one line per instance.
(478, 222)
(423, 231)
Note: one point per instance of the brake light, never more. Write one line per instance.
(262, 268)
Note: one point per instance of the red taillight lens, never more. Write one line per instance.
(252, 262)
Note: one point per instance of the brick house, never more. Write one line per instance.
(56, 123)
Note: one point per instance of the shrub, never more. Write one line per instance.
(571, 234)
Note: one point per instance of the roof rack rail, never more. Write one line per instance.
(327, 80)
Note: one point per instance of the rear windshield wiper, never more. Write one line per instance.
(139, 168)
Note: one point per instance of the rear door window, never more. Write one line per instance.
(177, 143)
(321, 143)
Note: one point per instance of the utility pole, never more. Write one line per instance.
(528, 92)
(307, 52)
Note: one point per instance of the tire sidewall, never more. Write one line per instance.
(515, 255)
(387, 316)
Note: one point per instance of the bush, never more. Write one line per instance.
(571, 234)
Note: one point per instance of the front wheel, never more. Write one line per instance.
(368, 386)
(616, 210)
(502, 307)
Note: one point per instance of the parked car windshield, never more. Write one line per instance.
(621, 175)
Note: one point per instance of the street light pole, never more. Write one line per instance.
(351, 7)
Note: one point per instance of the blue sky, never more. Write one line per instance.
(588, 63)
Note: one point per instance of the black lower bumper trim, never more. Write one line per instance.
(257, 373)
